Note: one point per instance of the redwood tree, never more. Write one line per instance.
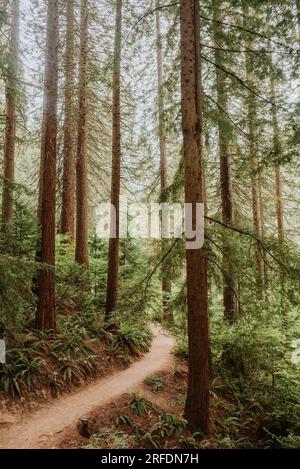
(255, 179)
(224, 129)
(166, 283)
(67, 213)
(277, 153)
(81, 254)
(11, 92)
(197, 402)
(114, 241)
(45, 316)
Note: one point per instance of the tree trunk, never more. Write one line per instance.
(11, 114)
(114, 241)
(263, 234)
(166, 283)
(81, 252)
(45, 316)
(277, 154)
(257, 223)
(67, 214)
(298, 19)
(197, 402)
(229, 299)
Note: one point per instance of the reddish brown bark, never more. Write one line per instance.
(256, 212)
(45, 316)
(229, 299)
(67, 213)
(197, 402)
(298, 19)
(263, 234)
(11, 92)
(114, 241)
(166, 283)
(81, 254)
(277, 154)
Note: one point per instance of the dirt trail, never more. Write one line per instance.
(45, 427)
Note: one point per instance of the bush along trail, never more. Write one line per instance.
(43, 428)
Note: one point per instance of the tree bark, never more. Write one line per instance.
(45, 316)
(277, 154)
(81, 251)
(67, 214)
(114, 241)
(229, 299)
(197, 402)
(11, 91)
(263, 234)
(298, 19)
(257, 222)
(166, 283)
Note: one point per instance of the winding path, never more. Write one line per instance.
(44, 427)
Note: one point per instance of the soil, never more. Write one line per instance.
(54, 421)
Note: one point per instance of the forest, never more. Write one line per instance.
(149, 224)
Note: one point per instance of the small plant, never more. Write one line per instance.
(181, 347)
(154, 382)
(123, 419)
(131, 339)
(110, 438)
(166, 427)
(139, 405)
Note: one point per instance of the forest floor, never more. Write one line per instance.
(56, 420)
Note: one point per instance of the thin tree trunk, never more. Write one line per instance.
(166, 283)
(67, 214)
(197, 403)
(40, 184)
(263, 234)
(229, 299)
(298, 19)
(277, 154)
(45, 316)
(257, 223)
(114, 241)
(81, 252)
(11, 92)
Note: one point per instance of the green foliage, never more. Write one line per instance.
(73, 280)
(110, 438)
(17, 247)
(131, 339)
(154, 382)
(139, 405)
(35, 360)
(181, 347)
(167, 426)
(254, 359)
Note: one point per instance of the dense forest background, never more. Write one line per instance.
(162, 102)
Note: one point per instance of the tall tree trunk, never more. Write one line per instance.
(229, 299)
(45, 316)
(166, 283)
(11, 91)
(197, 402)
(298, 19)
(257, 222)
(67, 214)
(263, 234)
(277, 154)
(114, 241)
(81, 252)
